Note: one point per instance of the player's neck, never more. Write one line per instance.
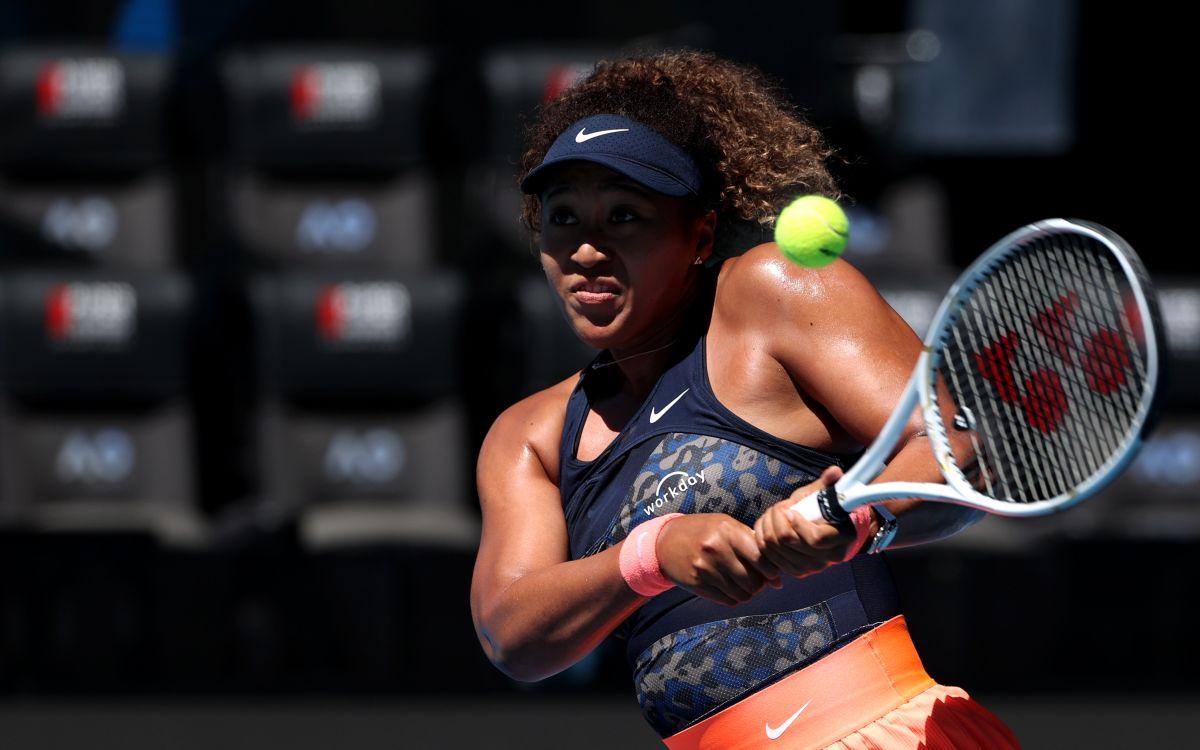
(642, 364)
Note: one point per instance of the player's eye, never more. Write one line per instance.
(562, 217)
(622, 215)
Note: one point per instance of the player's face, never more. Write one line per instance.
(621, 257)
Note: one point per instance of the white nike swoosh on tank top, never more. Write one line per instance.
(657, 415)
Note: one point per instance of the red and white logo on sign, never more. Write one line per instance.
(364, 313)
(335, 93)
(91, 88)
(91, 313)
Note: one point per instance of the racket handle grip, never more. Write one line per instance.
(824, 506)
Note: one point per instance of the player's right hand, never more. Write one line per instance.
(797, 546)
(714, 556)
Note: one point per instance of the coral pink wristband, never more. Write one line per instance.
(639, 558)
(861, 518)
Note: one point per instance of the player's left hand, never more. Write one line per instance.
(800, 547)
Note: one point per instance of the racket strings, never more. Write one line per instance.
(978, 456)
(1085, 406)
(1045, 368)
(1119, 302)
(1124, 400)
(1085, 449)
(1006, 449)
(1095, 323)
(1010, 438)
(1069, 467)
(1123, 405)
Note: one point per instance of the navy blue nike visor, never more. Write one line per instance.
(626, 146)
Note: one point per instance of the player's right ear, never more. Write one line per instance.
(707, 230)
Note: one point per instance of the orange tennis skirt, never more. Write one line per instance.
(871, 694)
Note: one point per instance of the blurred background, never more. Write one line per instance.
(263, 289)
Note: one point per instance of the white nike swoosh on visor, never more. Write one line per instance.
(581, 136)
(657, 415)
(774, 734)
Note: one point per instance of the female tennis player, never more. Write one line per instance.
(649, 493)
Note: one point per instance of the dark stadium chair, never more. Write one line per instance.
(95, 430)
(95, 427)
(79, 106)
(359, 427)
(82, 155)
(327, 164)
(360, 423)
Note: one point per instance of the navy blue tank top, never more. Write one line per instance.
(684, 452)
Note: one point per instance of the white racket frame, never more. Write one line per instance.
(853, 490)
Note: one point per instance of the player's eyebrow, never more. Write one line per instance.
(607, 185)
(632, 187)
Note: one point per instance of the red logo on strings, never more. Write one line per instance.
(1104, 360)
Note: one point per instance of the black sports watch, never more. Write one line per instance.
(887, 530)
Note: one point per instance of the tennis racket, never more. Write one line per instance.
(1036, 382)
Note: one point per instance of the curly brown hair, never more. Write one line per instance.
(754, 150)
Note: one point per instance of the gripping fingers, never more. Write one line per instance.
(760, 571)
(796, 563)
(786, 543)
(736, 568)
(723, 584)
(737, 562)
(820, 540)
(773, 549)
(767, 536)
(768, 564)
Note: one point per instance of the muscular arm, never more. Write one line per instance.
(843, 345)
(535, 611)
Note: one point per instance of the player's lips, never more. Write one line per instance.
(595, 291)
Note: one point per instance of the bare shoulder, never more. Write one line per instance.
(762, 287)
(533, 425)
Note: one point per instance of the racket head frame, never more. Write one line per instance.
(853, 489)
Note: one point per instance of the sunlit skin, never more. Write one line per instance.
(812, 357)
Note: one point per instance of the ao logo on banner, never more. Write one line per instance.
(346, 226)
(89, 224)
(375, 456)
(1172, 458)
(106, 456)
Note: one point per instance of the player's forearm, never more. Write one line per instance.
(920, 522)
(547, 620)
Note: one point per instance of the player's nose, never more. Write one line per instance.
(588, 255)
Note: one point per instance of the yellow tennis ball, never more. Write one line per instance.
(812, 231)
